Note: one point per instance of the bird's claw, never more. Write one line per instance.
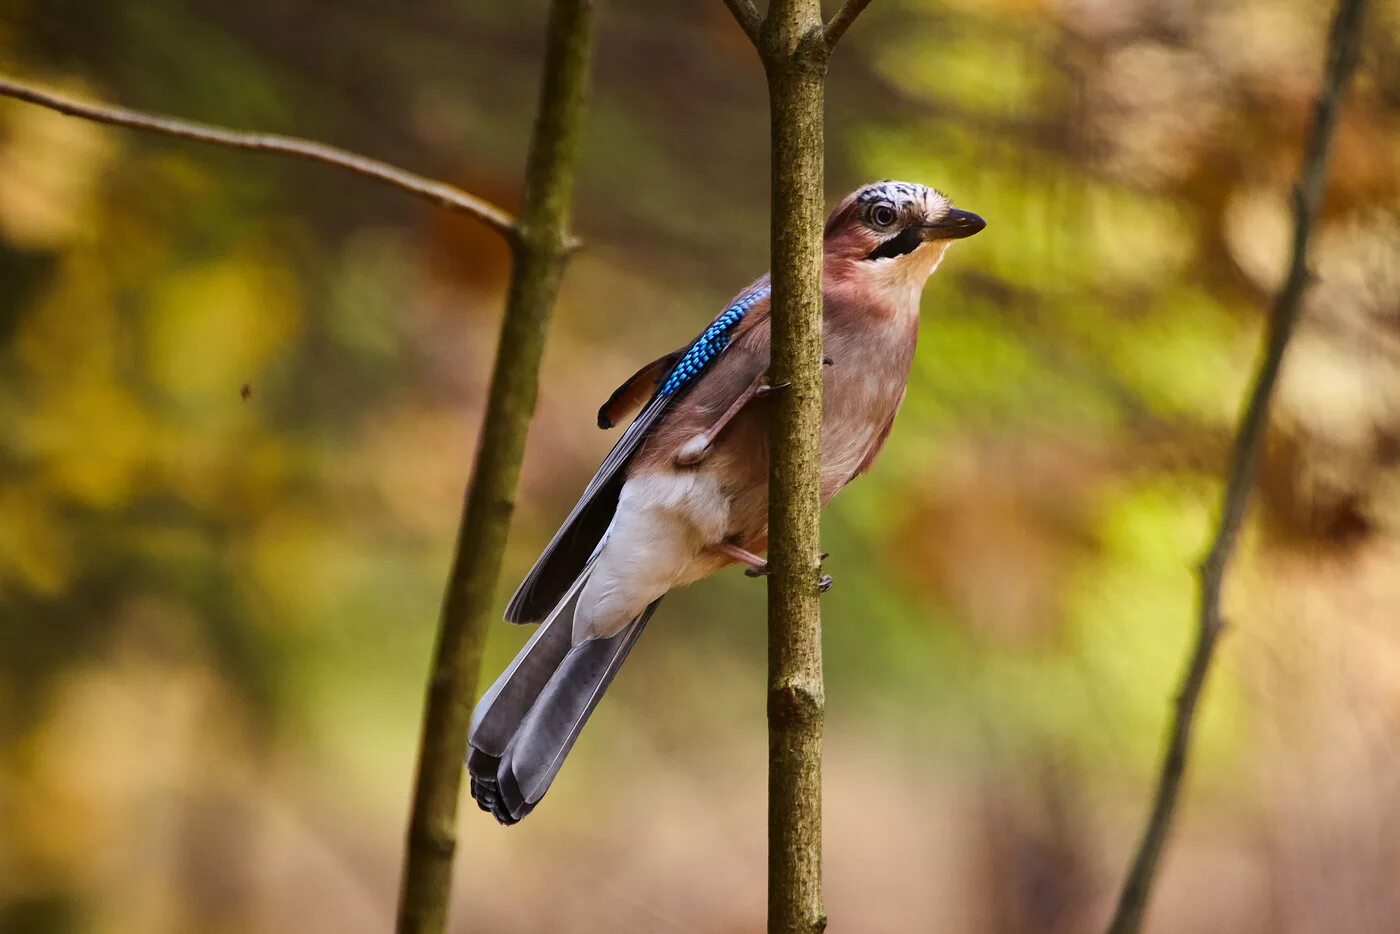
(766, 388)
(763, 570)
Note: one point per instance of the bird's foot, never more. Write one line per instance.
(824, 582)
(765, 387)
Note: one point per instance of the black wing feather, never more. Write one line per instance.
(573, 545)
(639, 386)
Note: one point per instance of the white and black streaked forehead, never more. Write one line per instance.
(903, 195)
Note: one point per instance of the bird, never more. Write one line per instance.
(684, 491)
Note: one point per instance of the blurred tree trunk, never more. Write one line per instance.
(540, 244)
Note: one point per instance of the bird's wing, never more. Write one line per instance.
(869, 460)
(638, 388)
(573, 545)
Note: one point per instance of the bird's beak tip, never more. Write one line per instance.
(957, 225)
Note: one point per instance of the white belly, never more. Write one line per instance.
(660, 538)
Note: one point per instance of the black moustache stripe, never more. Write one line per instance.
(906, 241)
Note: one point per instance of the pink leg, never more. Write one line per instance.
(757, 567)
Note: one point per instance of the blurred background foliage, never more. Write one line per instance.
(216, 611)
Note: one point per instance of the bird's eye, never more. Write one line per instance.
(883, 215)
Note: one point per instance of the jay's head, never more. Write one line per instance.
(894, 233)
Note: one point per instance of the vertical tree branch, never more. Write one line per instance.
(540, 244)
(541, 248)
(1343, 49)
(794, 47)
(794, 55)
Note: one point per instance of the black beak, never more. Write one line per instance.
(954, 226)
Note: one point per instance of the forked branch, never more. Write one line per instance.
(1343, 49)
(836, 27)
(439, 193)
(540, 244)
(748, 18)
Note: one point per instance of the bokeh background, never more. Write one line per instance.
(216, 612)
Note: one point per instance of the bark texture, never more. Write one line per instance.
(541, 245)
(795, 45)
(794, 55)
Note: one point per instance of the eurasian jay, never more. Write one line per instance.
(684, 492)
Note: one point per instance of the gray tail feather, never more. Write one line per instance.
(528, 721)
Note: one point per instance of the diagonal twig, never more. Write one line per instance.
(1343, 50)
(836, 27)
(439, 193)
(748, 18)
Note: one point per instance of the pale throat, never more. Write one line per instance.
(900, 279)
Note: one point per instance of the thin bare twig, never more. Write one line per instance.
(836, 27)
(748, 18)
(1343, 50)
(439, 193)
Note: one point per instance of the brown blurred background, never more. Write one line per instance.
(216, 613)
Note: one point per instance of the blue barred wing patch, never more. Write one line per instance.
(569, 552)
(710, 343)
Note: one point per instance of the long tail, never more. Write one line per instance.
(527, 722)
